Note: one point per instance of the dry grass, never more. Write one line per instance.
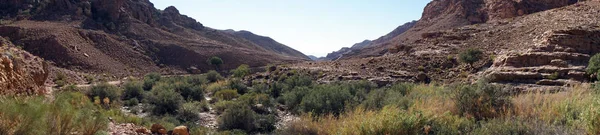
(433, 111)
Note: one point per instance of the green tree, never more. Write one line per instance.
(470, 56)
(241, 71)
(594, 64)
(215, 61)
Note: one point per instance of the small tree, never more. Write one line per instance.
(470, 56)
(215, 61)
(241, 71)
(594, 64)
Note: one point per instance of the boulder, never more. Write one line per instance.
(181, 130)
(158, 129)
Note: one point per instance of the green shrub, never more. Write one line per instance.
(150, 80)
(70, 88)
(197, 80)
(61, 79)
(226, 94)
(133, 89)
(593, 65)
(164, 100)
(60, 83)
(277, 89)
(189, 111)
(68, 113)
(238, 85)
(221, 106)
(293, 98)
(105, 90)
(326, 99)
(470, 56)
(189, 92)
(238, 117)
(298, 81)
(481, 101)
(213, 76)
(241, 71)
(131, 102)
(265, 123)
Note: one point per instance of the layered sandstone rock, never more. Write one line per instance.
(558, 58)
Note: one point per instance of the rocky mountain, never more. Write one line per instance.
(129, 37)
(543, 50)
(367, 43)
(448, 14)
(361, 45)
(268, 43)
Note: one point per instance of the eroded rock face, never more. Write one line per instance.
(21, 72)
(558, 58)
(479, 11)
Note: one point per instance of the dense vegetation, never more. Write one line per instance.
(356, 107)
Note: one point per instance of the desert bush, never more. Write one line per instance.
(105, 90)
(265, 123)
(293, 98)
(325, 99)
(298, 81)
(238, 85)
(226, 94)
(188, 91)
(61, 79)
(189, 111)
(221, 106)
(70, 88)
(150, 80)
(470, 56)
(213, 76)
(482, 100)
(277, 88)
(217, 86)
(131, 102)
(241, 71)
(164, 99)
(197, 80)
(34, 115)
(133, 89)
(238, 117)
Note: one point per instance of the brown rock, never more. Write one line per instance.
(158, 129)
(181, 130)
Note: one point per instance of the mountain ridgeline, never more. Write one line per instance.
(130, 37)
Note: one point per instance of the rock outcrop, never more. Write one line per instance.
(20, 71)
(448, 14)
(543, 51)
(558, 58)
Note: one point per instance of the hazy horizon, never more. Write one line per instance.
(310, 26)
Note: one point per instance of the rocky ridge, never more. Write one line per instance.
(127, 37)
(539, 51)
(448, 14)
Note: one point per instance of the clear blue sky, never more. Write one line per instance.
(314, 27)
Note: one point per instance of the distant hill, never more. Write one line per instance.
(130, 37)
(367, 43)
(268, 43)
